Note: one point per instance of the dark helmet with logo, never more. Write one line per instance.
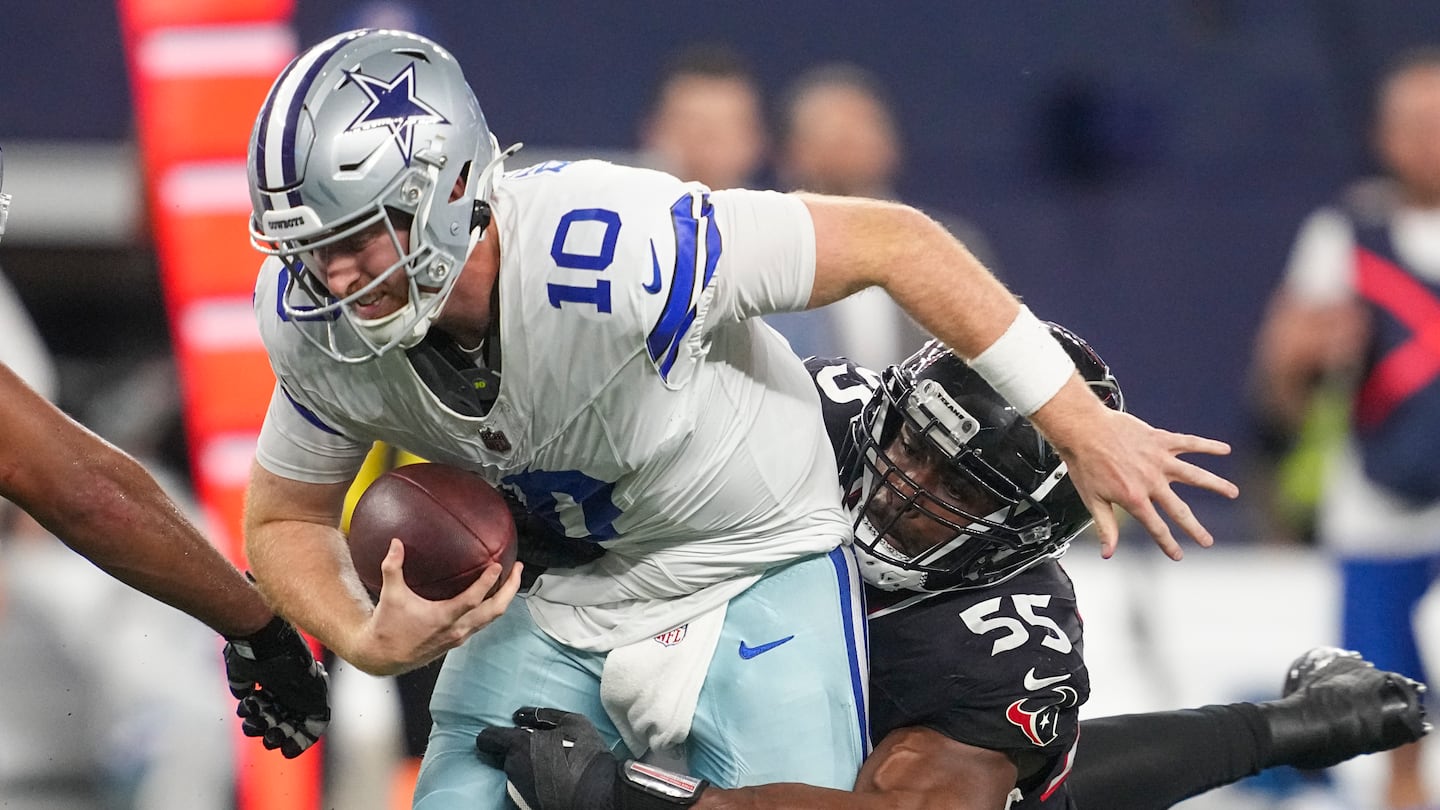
(953, 487)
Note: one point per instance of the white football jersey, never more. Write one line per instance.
(640, 405)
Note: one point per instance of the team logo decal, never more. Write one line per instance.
(1039, 717)
(673, 636)
(495, 440)
(393, 106)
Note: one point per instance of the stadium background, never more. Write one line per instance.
(1140, 168)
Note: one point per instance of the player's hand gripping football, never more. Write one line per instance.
(556, 760)
(406, 630)
(283, 692)
(1116, 459)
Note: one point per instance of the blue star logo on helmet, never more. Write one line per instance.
(393, 106)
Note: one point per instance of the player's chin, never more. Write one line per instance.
(908, 544)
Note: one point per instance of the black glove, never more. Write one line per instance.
(555, 760)
(541, 547)
(283, 691)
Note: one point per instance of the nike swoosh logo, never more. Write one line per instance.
(1034, 684)
(654, 285)
(747, 652)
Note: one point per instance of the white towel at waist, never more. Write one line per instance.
(650, 688)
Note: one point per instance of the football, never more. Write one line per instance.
(451, 521)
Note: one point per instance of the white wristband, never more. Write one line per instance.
(1025, 365)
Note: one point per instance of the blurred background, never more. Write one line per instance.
(1135, 170)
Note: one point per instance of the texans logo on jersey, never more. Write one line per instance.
(1038, 717)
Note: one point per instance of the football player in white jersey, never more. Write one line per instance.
(582, 335)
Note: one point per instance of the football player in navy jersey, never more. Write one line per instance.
(961, 511)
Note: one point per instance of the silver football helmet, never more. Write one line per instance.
(368, 127)
(954, 488)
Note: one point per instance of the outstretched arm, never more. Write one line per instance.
(104, 505)
(911, 769)
(556, 760)
(1114, 459)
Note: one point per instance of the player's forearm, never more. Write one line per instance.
(106, 507)
(101, 503)
(911, 769)
(300, 559)
(933, 276)
(305, 573)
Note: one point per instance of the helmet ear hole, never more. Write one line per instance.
(462, 182)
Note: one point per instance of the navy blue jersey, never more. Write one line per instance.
(999, 667)
(1397, 406)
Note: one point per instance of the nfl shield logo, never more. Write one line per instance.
(673, 636)
(495, 440)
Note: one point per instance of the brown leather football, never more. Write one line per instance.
(452, 522)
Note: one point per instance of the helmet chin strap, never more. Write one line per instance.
(874, 568)
(480, 215)
(386, 328)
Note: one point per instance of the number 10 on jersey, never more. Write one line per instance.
(597, 295)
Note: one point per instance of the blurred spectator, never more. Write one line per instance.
(706, 120)
(1360, 307)
(838, 135)
(705, 123)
